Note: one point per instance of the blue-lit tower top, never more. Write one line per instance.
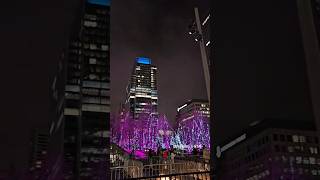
(143, 60)
(100, 2)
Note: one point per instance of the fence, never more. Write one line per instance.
(182, 176)
(156, 170)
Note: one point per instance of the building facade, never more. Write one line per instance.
(192, 123)
(266, 65)
(87, 95)
(142, 93)
(38, 157)
(271, 150)
(187, 111)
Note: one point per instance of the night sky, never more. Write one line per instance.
(156, 29)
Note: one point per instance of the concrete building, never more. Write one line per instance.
(87, 94)
(266, 64)
(271, 150)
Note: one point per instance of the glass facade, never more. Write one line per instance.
(87, 95)
(142, 94)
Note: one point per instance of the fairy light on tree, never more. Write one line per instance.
(144, 132)
(150, 132)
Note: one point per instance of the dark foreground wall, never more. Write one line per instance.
(260, 64)
(33, 35)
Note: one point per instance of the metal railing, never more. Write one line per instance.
(160, 159)
(181, 176)
(156, 170)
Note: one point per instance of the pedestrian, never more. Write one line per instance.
(194, 151)
(165, 155)
(172, 157)
(203, 149)
(131, 155)
(150, 155)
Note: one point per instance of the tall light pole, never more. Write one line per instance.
(196, 31)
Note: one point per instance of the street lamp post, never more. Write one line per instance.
(196, 30)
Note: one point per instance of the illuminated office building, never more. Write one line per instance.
(186, 111)
(87, 95)
(142, 94)
(192, 123)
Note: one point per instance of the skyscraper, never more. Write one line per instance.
(87, 95)
(142, 94)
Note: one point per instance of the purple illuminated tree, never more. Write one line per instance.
(194, 132)
(146, 131)
(164, 131)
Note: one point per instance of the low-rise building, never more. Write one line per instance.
(271, 150)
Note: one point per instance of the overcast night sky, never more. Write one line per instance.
(156, 29)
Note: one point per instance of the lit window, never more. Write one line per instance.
(302, 139)
(290, 149)
(90, 23)
(72, 88)
(299, 160)
(311, 150)
(93, 46)
(71, 112)
(92, 61)
(312, 160)
(104, 47)
(295, 138)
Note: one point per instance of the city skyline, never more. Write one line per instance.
(69, 67)
(158, 30)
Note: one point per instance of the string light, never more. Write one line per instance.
(151, 132)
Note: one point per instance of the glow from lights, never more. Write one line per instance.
(208, 43)
(100, 2)
(205, 21)
(152, 132)
(143, 60)
(183, 106)
(143, 96)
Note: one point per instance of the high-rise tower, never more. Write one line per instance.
(87, 94)
(142, 94)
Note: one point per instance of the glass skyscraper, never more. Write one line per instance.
(87, 95)
(142, 93)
